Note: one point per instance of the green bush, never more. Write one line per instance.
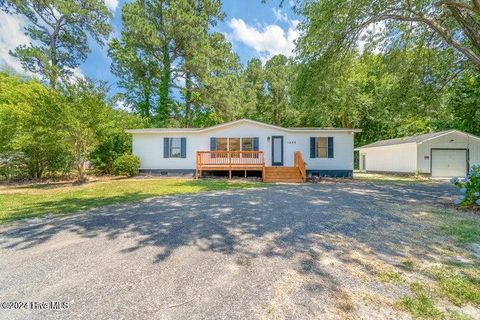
(109, 149)
(126, 165)
(469, 187)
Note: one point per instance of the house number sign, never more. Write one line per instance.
(292, 142)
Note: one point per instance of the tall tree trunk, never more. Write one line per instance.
(53, 54)
(166, 78)
(188, 99)
(146, 103)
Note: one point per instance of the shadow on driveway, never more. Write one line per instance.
(374, 214)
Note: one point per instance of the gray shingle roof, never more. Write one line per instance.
(411, 139)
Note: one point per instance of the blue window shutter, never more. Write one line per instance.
(183, 144)
(213, 144)
(330, 147)
(166, 147)
(312, 147)
(255, 144)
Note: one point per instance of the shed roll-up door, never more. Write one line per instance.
(449, 163)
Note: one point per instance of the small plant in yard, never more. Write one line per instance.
(390, 276)
(469, 188)
(421, 303)
(126, 165)
(460, 285)
(408, 265)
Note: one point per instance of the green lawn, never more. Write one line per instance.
(34, 200)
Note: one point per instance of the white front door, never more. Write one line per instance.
(447, 163)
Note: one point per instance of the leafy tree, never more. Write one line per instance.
(137, 75)
(333, 25)
(171, 43)
(277, 76)
(464, 103)
(113, 141)
(253, 87)
(385, 95)
(31, 126)
(59, 31)
(219, 92)
(85, 119)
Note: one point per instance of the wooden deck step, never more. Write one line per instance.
(282, 174)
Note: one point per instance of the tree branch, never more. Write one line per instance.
(460, 5)
(433, 25)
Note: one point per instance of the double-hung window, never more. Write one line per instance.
(174, 147)
(234, 144)
(321, 147)
(247, 144)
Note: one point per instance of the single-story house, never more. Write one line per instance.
(281, 154)
(442, 154)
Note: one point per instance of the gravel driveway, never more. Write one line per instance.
(285, 251)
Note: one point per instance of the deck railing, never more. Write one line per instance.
(300, 164)
(230, 158)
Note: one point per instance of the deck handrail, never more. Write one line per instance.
(243, 151)
(300, 164)
(230, 158)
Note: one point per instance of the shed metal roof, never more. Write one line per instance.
(412, 139)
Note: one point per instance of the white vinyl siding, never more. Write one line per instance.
(149, 146)
(394, 158)
(449, 141)
(413, 157)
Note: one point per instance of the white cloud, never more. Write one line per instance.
(11, 35)
(267, 40)
(280, 15)
(78, 73)
(111, 4)
(121, 105)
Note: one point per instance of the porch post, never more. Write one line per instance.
(229, 165)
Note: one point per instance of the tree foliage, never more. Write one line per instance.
(29, 126)
(59, 31)
(167, 47)
(50, 132)
(335, 25)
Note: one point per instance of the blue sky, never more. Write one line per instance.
(254, 29)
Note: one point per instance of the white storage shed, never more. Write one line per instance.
(442, 154)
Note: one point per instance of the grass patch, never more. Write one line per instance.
(463, 231)
(459, 285)
(420, 304)
(30, 201)
(390, 276)
(407, 265)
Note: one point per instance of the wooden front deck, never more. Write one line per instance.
(249, 161)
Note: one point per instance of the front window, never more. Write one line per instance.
(247, 144)
(175, 148)
(222, 144)
(322, 147)
(234, 144)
